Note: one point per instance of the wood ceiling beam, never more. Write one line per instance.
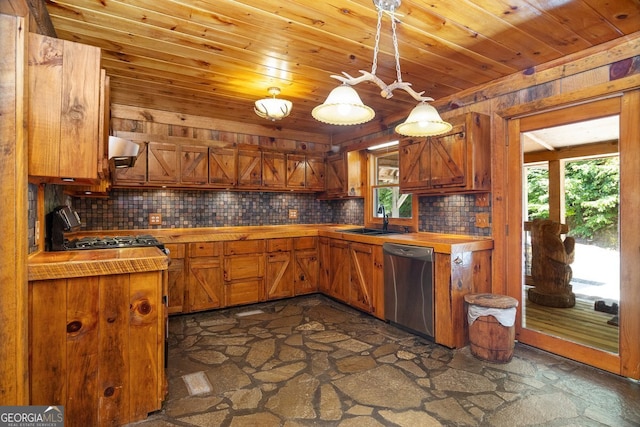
(40, 16)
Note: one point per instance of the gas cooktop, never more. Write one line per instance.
(115, 242)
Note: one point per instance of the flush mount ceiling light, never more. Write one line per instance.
(273, 108)
(344, 107)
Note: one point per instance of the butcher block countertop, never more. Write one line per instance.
(68, 264)
(442, 243)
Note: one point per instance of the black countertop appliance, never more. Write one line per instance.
(62, 219)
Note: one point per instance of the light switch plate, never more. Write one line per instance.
(155, 219)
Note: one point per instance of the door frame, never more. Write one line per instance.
(627, 361)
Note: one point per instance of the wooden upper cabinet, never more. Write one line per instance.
(249, 168)
(194, 167)
(222, 166)
(133, 175)
(274, 169)
(345, 175)
(296, 171)
(458, 161)
(162, 162)
(315, 173)
(64, 113)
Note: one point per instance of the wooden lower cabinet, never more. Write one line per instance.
(97, 347)
(279, 275)
(339, 270)
(205, 285)
(324, 267)
(361, 276)
(306, 265)
(244, 272)
(177, 278)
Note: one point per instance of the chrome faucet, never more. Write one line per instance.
(385, 217)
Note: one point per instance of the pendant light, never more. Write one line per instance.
(273, 108)
(344, 107)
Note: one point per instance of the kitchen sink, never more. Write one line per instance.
(369, 231)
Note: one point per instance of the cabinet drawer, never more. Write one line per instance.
(310, 242)
(176, 250)
(240, 247)
(204, 249)
(243, 267)
(279, 245)
(244, 292)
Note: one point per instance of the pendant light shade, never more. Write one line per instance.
(273, 108)
(423, 120)
(343, 106)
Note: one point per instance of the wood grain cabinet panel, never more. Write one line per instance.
(274, 170)
(223, 166)
(324, 267)
(339, 270)
(97, 347)
(279, 275)
(177, 278)
(249, 169)
(455, 162)
(133, 175)
(194, 168)
(307, 271)
(361, 276)
(315, 173)
(162, 163)
(345, 175)
(244, 270)
(205, 285)
(296, 171)
(64, 112)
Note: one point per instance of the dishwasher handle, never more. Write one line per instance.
(408, 251)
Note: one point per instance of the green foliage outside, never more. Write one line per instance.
(592, 199)
(386, 197)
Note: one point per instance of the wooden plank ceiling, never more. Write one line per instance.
(214, 58)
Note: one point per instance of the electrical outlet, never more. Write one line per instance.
(293, 213)
(482, 200)
(482, 220)
(155, 219)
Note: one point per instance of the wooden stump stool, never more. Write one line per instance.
(491, 326)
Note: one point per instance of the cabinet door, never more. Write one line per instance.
(205, 286)
(315, 173)
(274, 170)
(361, 276)
(279, 275)
(136, 174)
(339, 272)
(336, 175)
(378, 282)
(177, 279)
(306, 272)
(64, 108)
(324, 258)
(296, 170)
(193, 164)
(448, 159)
(249, 168)
(414, 164)
(222, 166)
(162, 163)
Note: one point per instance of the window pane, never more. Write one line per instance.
(396, 205)
(387, 169)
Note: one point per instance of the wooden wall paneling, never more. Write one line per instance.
(630, 238)
(145, 332)
(113, 350)
(82, 350)
(14, 386)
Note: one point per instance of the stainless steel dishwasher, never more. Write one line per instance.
(408, 287)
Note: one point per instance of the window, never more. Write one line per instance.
(384, 188)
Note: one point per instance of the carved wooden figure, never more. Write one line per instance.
(550, 269)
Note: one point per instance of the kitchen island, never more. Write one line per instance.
(97, 333)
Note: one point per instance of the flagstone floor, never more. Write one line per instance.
(310, 361)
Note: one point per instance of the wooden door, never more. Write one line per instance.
(315, 173)
(449, 158)
(249, 168)
(336, 174)
(279, 275)
(274, 167)
(361, 276)
(339, 272)
(162, 163)
(222, 166)
(296, 171)
(136, 174)
(414, 164)
(324, 267)
(193, 164)
(177, 279)
(306, 271)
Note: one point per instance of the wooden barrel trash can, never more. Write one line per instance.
(491, 320)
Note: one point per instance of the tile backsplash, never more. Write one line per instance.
(129, 209)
